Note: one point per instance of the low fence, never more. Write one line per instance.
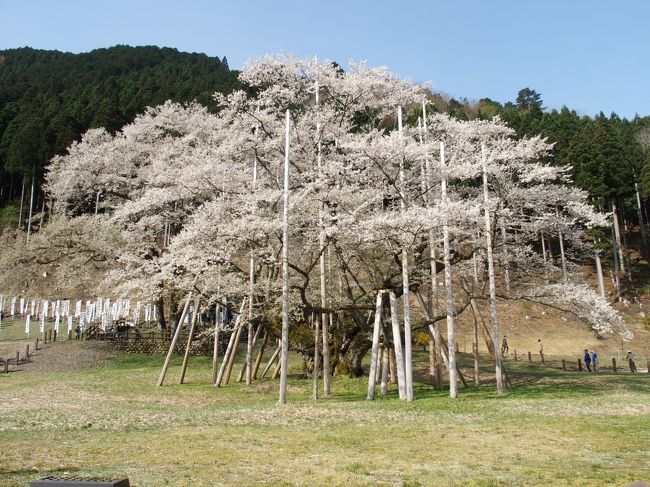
(612, 364)
(156, 343)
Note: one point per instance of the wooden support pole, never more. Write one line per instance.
(17, 358)
(177, 332)
(372, 375)
(391, 366)
(248, 363)
(613, 364)
(215, 346)
(27, 351)
(233, 353)
(579, 365)
(186, 357)
(6, 366)
(278, 365)
(384, 370)
(36, 346)
(226, 357)
(271, 360)
(516, 355)
(260, 354)
(397, 343)
(563, 364)
(530, 357)
(315, 370)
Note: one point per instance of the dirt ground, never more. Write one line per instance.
(59, 357)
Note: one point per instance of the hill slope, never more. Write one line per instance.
(49, 98)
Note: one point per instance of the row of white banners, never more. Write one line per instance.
(101, 310)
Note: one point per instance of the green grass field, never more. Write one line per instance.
(554, 428)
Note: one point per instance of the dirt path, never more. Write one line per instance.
(63, 356)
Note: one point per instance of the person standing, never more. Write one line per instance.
(587, 360)
(77, 331)
(594, 360)
(504, 346)
(541, 350)
(630, 361)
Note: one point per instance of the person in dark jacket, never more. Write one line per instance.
(594, 360)
(587, 360)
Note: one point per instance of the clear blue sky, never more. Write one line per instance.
(590, 55)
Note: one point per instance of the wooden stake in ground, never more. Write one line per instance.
(174, 340)
(284, 356)
(492, 280)
(186, 357)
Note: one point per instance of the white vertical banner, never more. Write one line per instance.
(155, 312)
(41, 326)
(22, 306)
(77, 311)
(147, 312)
(46, 304)
(57, 320)
(13, 307)
(69, 323)
(33, 307)
(27, 323)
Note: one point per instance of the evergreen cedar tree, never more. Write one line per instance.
(183, 168)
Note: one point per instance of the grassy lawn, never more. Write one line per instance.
(554, 428)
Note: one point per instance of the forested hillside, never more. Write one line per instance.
(49, 98)
(607, 153)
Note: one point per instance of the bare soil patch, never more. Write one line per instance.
(67, 355)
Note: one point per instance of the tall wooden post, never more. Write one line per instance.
(408, 353)
(372, 375)
(492, 280)
(451, 327)
(284, 356)
(397, 343)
